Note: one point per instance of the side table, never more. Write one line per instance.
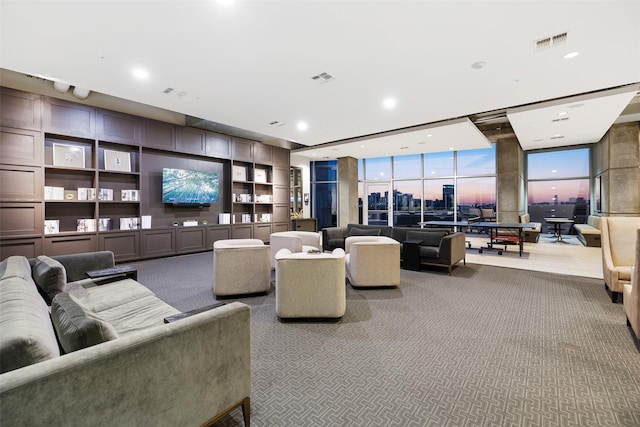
(411, 254)
(123, 271)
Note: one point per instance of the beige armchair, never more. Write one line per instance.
(240, 267)
(310, 285)
(295, 241)
(618, 252)
(372, 261)
(632, 296)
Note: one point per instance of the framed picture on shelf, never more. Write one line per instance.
(239, 173)
(71, 156)
(117, 161)
(260, 175)
(51, 226)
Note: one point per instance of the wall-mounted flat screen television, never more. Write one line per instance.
(189, 188)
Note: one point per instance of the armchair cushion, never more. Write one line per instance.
(75, 327)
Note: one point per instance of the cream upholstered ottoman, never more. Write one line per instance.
(241, 266)
(310, 285)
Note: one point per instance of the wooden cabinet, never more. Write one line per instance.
(68, 118)
(218, 145)
(304, 224)
(157, 242)
(190, 140)
(20, 147)
(125, 245)
(20, 109)
(158, 135)
(118, 127)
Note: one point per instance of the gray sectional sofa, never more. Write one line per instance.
(101, 354)
(438, 247)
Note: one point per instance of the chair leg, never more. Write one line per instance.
(246, 411)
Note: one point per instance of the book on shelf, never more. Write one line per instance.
(51, 226)
(145, 221)
(53, 193)
(87, 193)
(105, 224)
(224, 218)
(85, 224)
(130, 195)
(129, 223)
(105, 194)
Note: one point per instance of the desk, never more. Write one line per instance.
(557, 227)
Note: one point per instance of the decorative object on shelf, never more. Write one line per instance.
(105, 194)
(129, 223)
(146, 221)
(175, 223)
(105, 224)
(85, 225)
(244, 198)
(87, 193)
(53, 193)
(246, 218)
(130, 195)
(306, 199)
(70, 194)
(51, 226)
(264, 198)
(265, 217)
(224, 218)
(68, 155)
(190, 223)
(297, 215)
(205, 222)
(260, 176)
(239, 173)
(117, 161)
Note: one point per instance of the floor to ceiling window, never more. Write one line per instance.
(324, 193)
(558, 184)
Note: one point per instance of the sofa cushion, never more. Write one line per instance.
(77, 328)
(430, 252)
(26, 336)
(354, 231)
(428, 238)
(49, 275)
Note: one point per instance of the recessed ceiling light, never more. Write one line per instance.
(302, 126)
(389, 103)
(451, 148)
(422, 142)
(429, 135)
(140, 73)
(571, 55)
(562, 113)
(403, 148)
(362, 146)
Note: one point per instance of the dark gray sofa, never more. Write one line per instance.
(438, 247)
(333, 237)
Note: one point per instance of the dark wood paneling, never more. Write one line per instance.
(124, 245)
(156, 243)
(118, 127)
(21, 219)
(281, 176)
(69, 118)
(20, 109)
(218, 145)
(20, 183)
(281, 157)
(190, 140)
(243, 231)
(262, 232)
(217, 233)
(281, 194)
(242, 150)
(304, 224)
(30, 247)
(156, 134)
(281, 213)
(263, 153)
(64, 245)
(191, 239)
(280, 226)
(20, 147)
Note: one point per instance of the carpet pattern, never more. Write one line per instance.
(486, 346)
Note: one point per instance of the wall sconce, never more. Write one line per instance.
(306, 199)
(80, 93)
(61, 87)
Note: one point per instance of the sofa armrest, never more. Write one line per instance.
(332, 233)
(147, 378)
(452, 248)
(76, 265)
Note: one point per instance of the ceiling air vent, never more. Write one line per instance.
(323, 77)
(550, 41)
(562, 119)
(167, 90)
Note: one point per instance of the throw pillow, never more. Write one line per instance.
(49, 275)
(77, 328)
(364, 232)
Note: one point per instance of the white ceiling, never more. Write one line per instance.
(251, 63)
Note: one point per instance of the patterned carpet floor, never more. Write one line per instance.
(486, 346)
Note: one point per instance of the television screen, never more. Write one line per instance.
(185, 187)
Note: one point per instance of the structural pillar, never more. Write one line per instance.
(347, 191)
(510, 191)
